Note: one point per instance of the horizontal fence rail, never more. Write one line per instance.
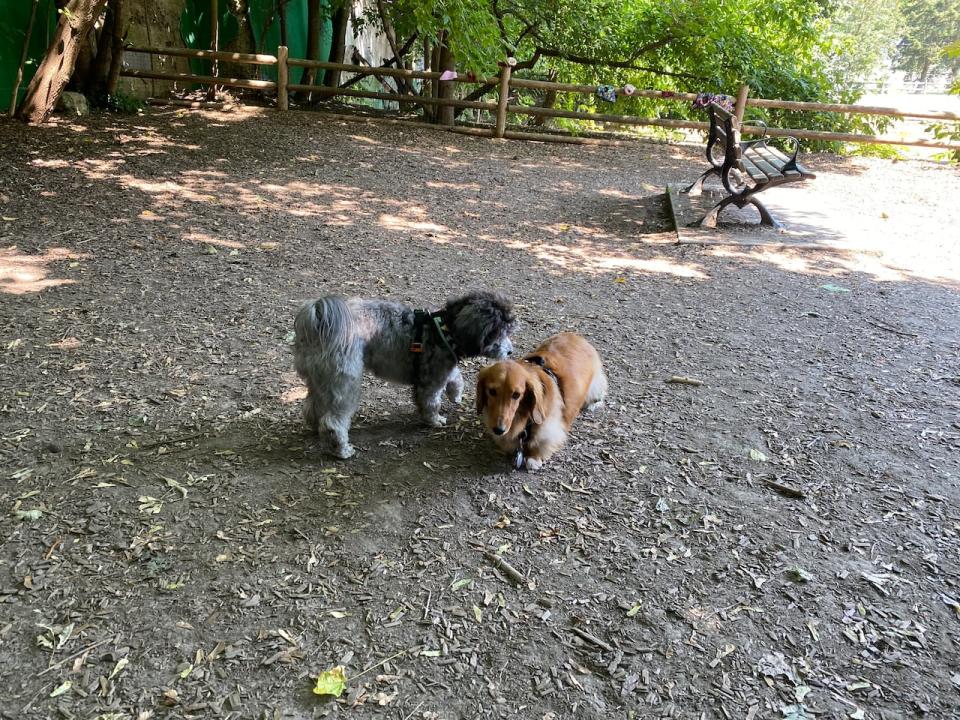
(505, 82)
(241, 58)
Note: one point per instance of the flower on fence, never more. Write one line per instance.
(629, 90)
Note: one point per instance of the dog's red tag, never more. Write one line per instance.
(416, 347)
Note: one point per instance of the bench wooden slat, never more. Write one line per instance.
(755, 173)
(779, 160)
(782, 160)
(771, 155)
(769, 170)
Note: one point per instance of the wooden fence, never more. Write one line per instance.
(505, 82)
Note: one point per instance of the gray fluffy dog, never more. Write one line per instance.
(336, 338)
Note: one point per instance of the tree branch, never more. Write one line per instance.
(581, 60)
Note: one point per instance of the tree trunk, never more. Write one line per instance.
(57, 65)
(428, 85)
(109, 46)
(391, 34)
(549, 100)
(82, 77)
(339, 46)
(23, 58)
(282, 15)
(116, 46)
(313, 40)
(447, 112)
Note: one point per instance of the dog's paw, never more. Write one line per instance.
(436, 421)
(533, 464)
(456, 398)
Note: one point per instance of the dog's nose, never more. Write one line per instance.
(510, 351)
(499, 430)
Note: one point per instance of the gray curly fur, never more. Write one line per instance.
(336, 338)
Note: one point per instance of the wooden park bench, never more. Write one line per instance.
(744, 167)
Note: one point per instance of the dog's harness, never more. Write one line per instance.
(421, 320)
(521, 453)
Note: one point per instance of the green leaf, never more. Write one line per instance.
(798, 574)
(460, 584)
(331, 682)
(62, 688)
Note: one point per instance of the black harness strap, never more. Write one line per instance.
(542, 364)
(521, 453)
(421, 320)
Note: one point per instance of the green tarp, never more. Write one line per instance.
(194, 31)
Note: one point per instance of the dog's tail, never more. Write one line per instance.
(326, 322)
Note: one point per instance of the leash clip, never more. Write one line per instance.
(519, 457)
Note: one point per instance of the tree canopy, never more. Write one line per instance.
(786, 48)
(929, 27)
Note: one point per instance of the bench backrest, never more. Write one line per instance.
(724, 136)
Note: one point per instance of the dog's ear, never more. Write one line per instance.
(533, 399)
(481, 393)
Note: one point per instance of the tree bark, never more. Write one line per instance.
(282, 16)
(82, 77)
(313, 41)
(447, 113)
(57, 65)
(429, 86)
(391, 34)
(109, 52)
(116, 46)
(339, 45)
(549, 100)
(23, 58)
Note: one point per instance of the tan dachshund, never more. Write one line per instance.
(529, 405)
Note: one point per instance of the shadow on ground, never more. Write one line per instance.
(780, 538)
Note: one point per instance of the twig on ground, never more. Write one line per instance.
(889, 329)
(593, 639)
(411, 713)
(506, 568)
(171, 441)
(374, 667)
(683, 380)
(788, 490)
(76, 655)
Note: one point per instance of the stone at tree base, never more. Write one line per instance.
(73, 103)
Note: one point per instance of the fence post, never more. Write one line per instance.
(501, 127)
(741, 105)
(283, 97)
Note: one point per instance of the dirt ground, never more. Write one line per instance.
(778, 542)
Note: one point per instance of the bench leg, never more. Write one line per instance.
(710, 219)
(697, 187)
(765, 217)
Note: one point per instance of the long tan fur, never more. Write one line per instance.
(514, 394)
